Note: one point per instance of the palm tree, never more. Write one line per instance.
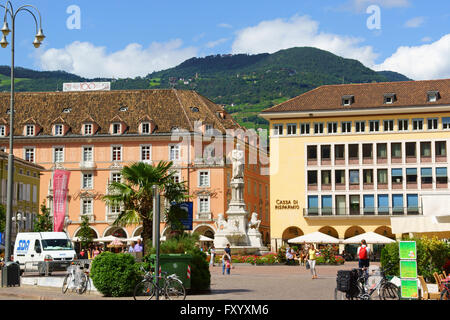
(135, 194)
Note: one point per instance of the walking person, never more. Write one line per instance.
(363, 253)
(227, 264)
(225, 258)
(212, 255)
(312, 260)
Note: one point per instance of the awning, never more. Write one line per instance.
(315, 237)
(417, 225)
(370, 237)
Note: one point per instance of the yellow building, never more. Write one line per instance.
(344, 159)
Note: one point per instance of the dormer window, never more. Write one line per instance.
(145, 128)
(433, 96)
(29, 130)
(116, 128)
(390, 98)
(67, 110)
(194, 109)
(59, 129)
(88, 129)
(123, 109)
(348, 100)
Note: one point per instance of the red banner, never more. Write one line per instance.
(60, 185)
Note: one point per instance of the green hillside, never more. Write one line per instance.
(245, 84)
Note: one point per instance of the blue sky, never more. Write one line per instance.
(134, 38)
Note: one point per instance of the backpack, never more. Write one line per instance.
(363, 253)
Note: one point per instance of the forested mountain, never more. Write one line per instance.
(245, 84)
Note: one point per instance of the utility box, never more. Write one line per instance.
(180, 264)
(11, 274)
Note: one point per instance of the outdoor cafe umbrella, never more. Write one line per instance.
(116, 243)
(205, 239)
(370, 237)
(105, 239)
(315, 237)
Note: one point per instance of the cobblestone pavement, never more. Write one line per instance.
(246, 282)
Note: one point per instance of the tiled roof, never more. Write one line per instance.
(367, 95)
(167, 108)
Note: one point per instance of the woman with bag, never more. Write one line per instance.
(312, 260)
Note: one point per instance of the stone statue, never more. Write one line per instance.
(221, 222)
(238, 159)
(254, 222)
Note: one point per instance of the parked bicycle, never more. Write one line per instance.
(358, 289)
(77, 279)
(169, 286)
(445, 293)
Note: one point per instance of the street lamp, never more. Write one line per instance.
(11, 14)
(19, 218)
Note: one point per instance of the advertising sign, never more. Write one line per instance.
(60, 184)
(407, 250)
(189, 207)
(410, 289)
(408, 269)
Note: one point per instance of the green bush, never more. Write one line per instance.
(115, 274)
(431, 257)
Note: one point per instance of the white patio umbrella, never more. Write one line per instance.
(315, 237)
(106, 239)
(133, 239)
(205, 238)
(370, 237)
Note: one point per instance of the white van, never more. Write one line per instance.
(34, 250)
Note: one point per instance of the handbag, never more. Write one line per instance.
(307, 264)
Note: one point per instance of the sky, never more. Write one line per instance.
(120, 39)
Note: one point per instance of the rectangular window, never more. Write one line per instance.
(88, 154)
(412, 202)
(353, 151)
(327, 205)
(146, 153)
(86, 207)
(30, 130)
(116, 177)
(396, 150)
(304, 128)
(174, 152)
(116, 128)
(318, 128)
(88, 129)
(368, 176)
(340, 205)
(381, 150)
(291, 129)
(403, 125)
(417, 124)
(277, 129)
(440, 148)
(383, 204)
(369, 204)
(312, 178)
(432, 123)
(332, 127)
(29, 155)
(410, 149)
(58, 154)
(397, 203)
(58, 129)
(339, 152)
(388, 125)
(311, 152)
(203, 204)
(360, 126)
(203, 179)
(374, 125)
(446, 123)
(367, 150)
(355, 205)
(339, 176)
(117, 153)
(313, 205)
(441, 175)
(346, 127)
(397, 175)
(425, 149)
(326, 177)
(426, 175)
(88, 181)
(354, 176)
(411, 175)
(325, 152)
(145, 128)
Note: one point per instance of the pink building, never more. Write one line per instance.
(93, 135)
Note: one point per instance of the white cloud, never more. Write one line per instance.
(225, 25)
(414, 22)
(212, 44)
(299, 31)
(425, 62)
(87, 60)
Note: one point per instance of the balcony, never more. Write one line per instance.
(88, 165)
(359, 212)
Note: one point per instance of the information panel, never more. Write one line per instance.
(407, 250)
(410, 289)
(408, 269)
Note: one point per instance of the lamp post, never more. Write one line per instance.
(11, 14)
(19, 218)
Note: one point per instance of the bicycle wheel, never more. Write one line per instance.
(84, 281)
(175, 290)
(66, 282)
(390, 291)
(144, 290)
(445, 294)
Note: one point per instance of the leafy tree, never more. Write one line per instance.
(135, 194)
(43, 221)
(85, 233)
